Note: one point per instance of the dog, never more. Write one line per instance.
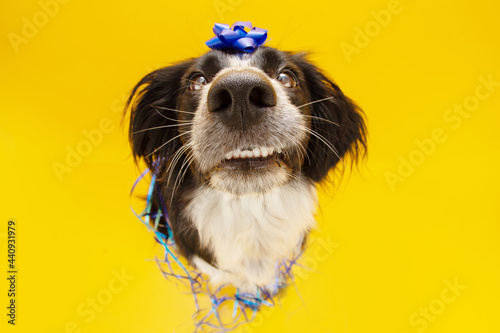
(238, 143)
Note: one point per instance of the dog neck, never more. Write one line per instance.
(248, 234)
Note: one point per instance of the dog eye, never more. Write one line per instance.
(287, 79)
(197, 81)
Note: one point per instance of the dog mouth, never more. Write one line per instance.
(253, 170)
(252, 159)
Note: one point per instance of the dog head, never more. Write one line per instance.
(242, 123)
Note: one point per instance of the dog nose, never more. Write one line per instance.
(240, 99)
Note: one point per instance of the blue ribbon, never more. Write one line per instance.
(236, 37)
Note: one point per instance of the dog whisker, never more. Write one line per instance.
(318, 101)
(174, 187)
(180, 88)
(180, 175)
(166, 143)
(178, 120)
(322, 119)
(303, 151)
(159, 127)
(326, 142)
(164, 108)
(175, 159)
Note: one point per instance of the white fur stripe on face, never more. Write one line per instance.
(211, 143)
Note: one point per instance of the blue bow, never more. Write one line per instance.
(237, 38)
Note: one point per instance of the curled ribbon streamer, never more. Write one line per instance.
(236, 37)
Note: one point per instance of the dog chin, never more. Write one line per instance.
(240, 182)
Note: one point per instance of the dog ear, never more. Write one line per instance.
(152, 104)
(337, 123)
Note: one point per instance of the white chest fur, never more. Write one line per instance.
(249, 234)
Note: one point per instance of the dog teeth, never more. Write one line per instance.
(250, 153)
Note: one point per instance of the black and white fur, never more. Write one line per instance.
(238, 143)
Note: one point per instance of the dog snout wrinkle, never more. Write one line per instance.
(241, 98)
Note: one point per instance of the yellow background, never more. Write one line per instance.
(393, 248)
